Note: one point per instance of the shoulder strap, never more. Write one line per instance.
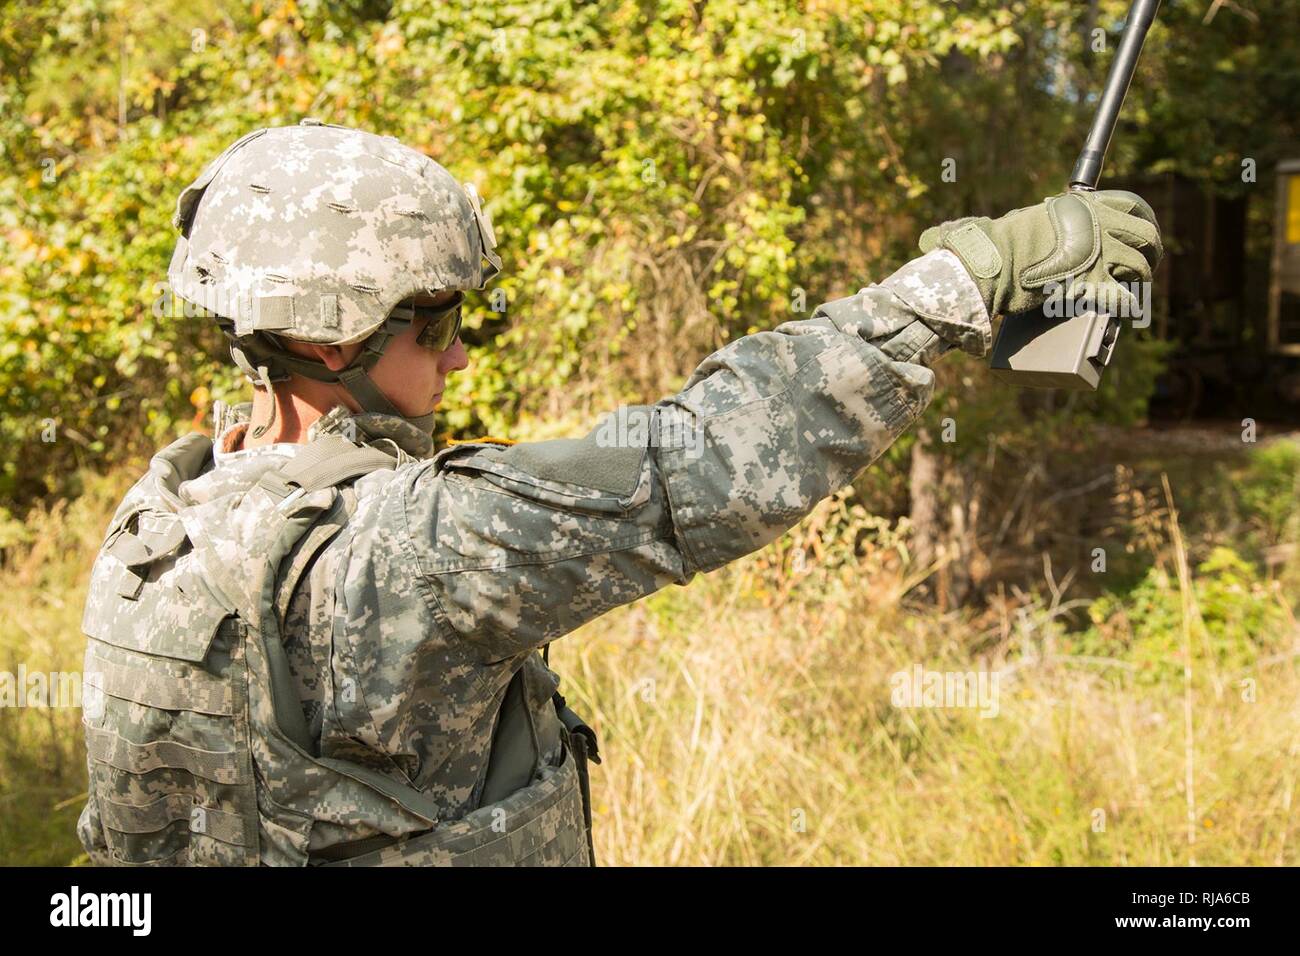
(328, 461)
(324, 463)
(305, 551)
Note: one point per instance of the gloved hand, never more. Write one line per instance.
(1077, 237)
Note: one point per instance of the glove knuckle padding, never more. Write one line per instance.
(1135, 213)
(1078, 242)
(1142, 209)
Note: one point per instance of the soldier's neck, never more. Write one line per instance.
(296, 410)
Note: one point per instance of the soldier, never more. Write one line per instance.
(312, 643)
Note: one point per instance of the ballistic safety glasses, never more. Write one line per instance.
(443, 327)
(442, 322)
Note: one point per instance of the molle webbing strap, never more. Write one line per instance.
(324, 463)
(148, 687)
(216, 765)
(151, 817)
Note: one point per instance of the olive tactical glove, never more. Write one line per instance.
(1080, 240)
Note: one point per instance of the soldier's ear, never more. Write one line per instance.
(334, 357)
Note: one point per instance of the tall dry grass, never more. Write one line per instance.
(747, 719)
(42, 755)
(751, 727)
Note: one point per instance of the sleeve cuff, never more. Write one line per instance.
(943, 295)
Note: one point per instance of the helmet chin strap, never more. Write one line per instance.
(265, 362)
(264, 375)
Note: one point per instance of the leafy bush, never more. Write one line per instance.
(664, 177)
(1234, 618)
(1269, 492)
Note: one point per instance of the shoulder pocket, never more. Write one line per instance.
(565, 473)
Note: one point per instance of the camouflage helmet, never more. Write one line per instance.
(318, 233)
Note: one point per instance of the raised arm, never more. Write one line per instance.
(522, 544)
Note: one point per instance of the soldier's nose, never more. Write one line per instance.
(455, 358)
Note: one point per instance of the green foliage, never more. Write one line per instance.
(1236, 86)
(1245, 495)
(1234, 617)
(1269, 492)
(664, 177)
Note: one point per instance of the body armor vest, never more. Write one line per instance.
(198, 752)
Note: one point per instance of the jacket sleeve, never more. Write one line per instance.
(519, 545)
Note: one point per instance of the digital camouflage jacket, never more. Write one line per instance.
(323, 671)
